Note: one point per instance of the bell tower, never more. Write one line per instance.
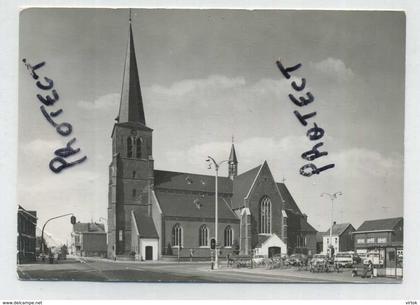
(131, 168)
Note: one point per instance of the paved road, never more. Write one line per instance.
(105, 270)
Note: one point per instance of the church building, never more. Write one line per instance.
(156, 213)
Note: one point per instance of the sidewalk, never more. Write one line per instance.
(158, 262)
(341, 277)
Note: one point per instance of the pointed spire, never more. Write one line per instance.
(232, 156)
(233, 162)
(131, 103)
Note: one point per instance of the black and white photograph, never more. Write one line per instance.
(211, 145)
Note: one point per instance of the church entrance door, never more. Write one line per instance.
(149, 253)
(273, 250)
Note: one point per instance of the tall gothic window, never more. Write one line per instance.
(177, 235)
(138, 148)
(265, 215)
(204, 236)
(228, 236)
(129, 147)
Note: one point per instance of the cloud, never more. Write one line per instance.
(333, 68)
(39, 147)
(251, 152)
(109, 101)
(188, 86)
(369, 162)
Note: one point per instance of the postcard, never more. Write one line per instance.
(211, 145)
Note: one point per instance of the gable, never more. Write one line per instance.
(264, 185)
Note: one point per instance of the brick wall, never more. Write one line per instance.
(265, 186)
(191, 230)
(93, 242)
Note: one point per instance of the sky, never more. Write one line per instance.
(208, 75)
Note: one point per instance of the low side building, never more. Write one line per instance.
(26, 239)
(89, 239)
(341, 239)
(382, 238)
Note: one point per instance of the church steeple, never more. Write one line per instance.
(131, 103)
(233, 163)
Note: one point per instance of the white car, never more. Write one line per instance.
(344, 259)
(258, 259)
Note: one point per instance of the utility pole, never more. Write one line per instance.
(332, 198)
(216, 166)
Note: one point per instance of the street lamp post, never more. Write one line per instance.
(43, 227)
(216, 166)
(332, 198)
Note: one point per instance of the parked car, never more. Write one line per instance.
(344, 259)
(258, 259)
(318, 258)
(297, 259)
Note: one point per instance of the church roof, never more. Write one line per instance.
(305, 226)
(131, 103)
(232, 156)
(241, 186)
(145, 224)
(290, 203)
(190, 182)
(187, 204)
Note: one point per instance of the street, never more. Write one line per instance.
(92, 269)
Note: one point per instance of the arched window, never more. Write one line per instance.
(228, 236)
(177, 235)
(204, 236)
(129, 148)
(265, 215)
(138, 148)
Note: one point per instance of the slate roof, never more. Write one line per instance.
(261, 240)
(290, 203)
(232, 156)
(145, 224)
(379, 224)
(192, 205)
(191, 182)
(241, 185)
(306, 227)
(338, 229)
(131, 103)
(88, 227)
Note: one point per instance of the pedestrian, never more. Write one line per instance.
(191, 255)
(370, 268)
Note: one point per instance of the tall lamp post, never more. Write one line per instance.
(332, 198)
(43, 227)
(216, 167)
